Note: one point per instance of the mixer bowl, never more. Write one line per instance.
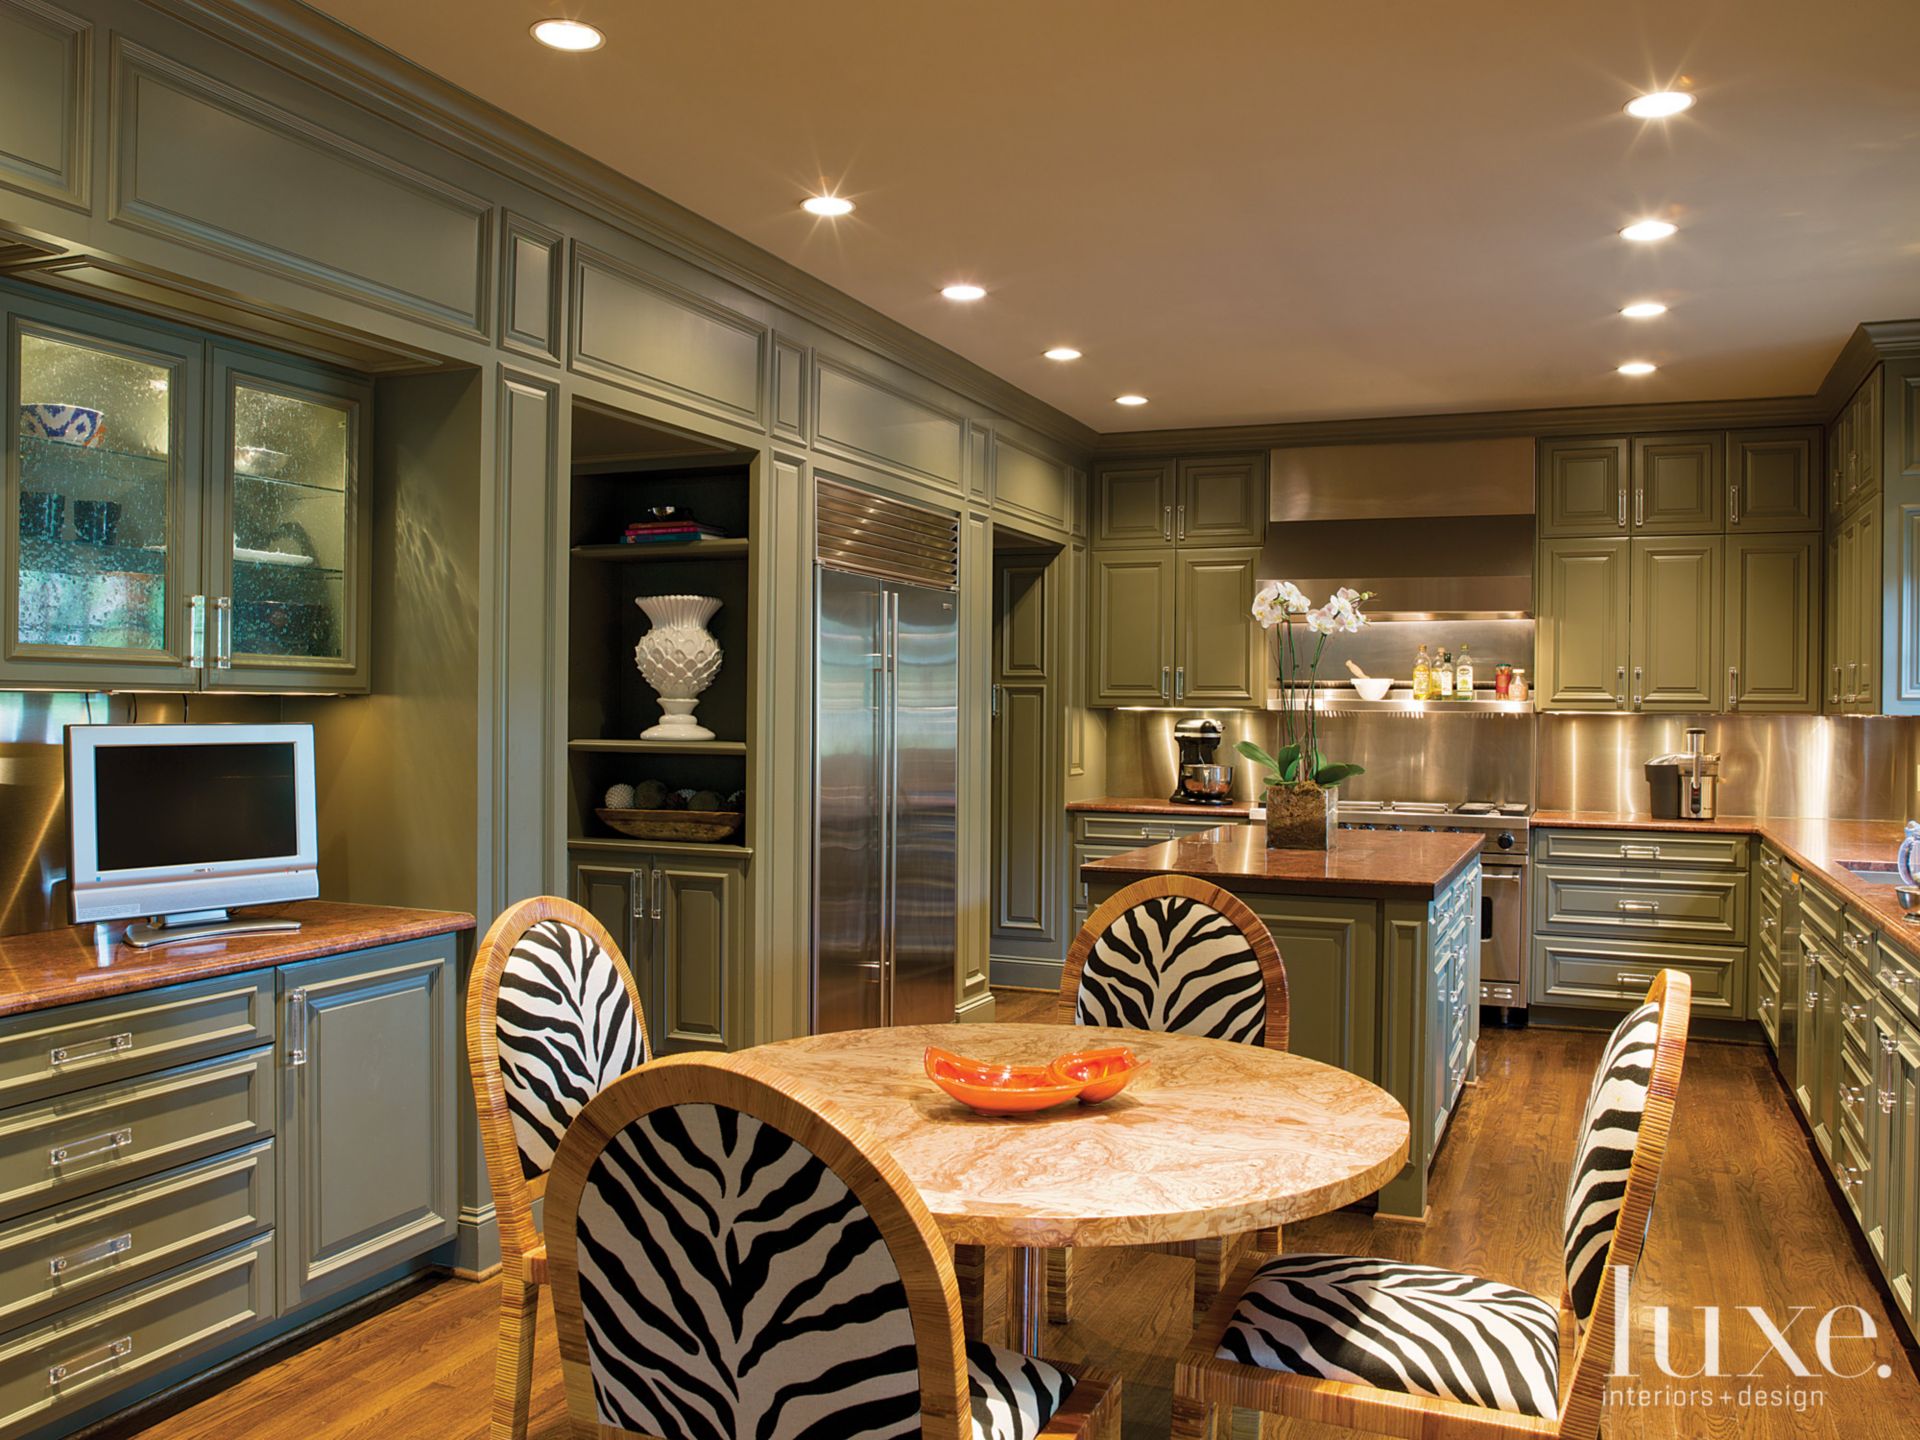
(1210, 782)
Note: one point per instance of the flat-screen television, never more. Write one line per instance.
(187, 820)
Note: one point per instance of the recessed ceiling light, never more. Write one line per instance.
(827, 205)
(1129, 399)
(1649, 230)
(1643, 309)
(1063, 352)
(573, 35)
(1638, 367)
(1660, 104)
(964, 292)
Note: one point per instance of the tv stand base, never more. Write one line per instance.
(200, 925)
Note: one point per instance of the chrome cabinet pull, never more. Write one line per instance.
(659, 894)
(1638, 672)
(91, 1148)
(1767, 922)
(1854, 1014)
(1638, 907)
(1733, 687)
(1639, 852)
(1854, 1176)
(1180, 529)
(1836, 684)
(1639, 505)
(1623, 507)
(1620, 686)
(1179, 682)
(1766, 1003)
(1627, 977)
(1166, 681)
(1853, 684)
(88, 1361)
(197, 632)
(1166, 522)
(91, 1255)
(297, 1026)
(223, 633)
(90, 1050)
(1733, 504)
(637, 885)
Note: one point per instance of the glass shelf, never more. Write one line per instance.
(282, 483)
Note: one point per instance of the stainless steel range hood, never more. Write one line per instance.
(1440, 531)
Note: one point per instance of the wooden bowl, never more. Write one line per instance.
(700, 826)
(1100, 1074)
(992, 1089)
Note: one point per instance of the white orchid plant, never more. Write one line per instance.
(1280, 606)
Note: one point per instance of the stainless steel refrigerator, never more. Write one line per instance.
(886, 736)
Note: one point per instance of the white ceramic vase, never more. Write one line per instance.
(679, 659)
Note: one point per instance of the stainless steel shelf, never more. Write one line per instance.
(1335, 703)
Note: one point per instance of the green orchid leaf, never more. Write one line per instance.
(1259, 757)
(1334, 774)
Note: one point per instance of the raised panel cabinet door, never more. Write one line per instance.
(1027, 831)
(1903, 1200)
(1218, 657)
(1583, 487)
(1867, 440)
(1676, 605)
(1832, 660)
(1773, 630)
(1839, 439)
(1130, 656)
(1222, 501)
(1676, 485)
(1133, 504)
(1773, 480)
(615, 895)
(696, 947)
(368, 1134)
(1582, 632)
(1332, 949)
(1867, 610)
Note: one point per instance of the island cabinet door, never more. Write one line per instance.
(1331, 951)
(1583, 625)
(1676, 609)
(368, 1133)
(1772, 617)
(1218, 658)
(1131, 654)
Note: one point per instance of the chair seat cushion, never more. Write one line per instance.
(1012, 1395)
(1409, 1328)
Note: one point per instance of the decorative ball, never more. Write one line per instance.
(620, 797)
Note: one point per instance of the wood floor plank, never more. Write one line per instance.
(1743, 1218)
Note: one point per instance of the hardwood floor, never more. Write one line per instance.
(1743, 1219)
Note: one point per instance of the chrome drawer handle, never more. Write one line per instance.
(105, 1049)
(1639, 852)
(1851, 1095)
(1767, 922)
(88, 1361)
(1640, 907)
(1766, 1002)
(91, 1148)
(92, 1255)
(1628, 978)
(1855, 1176)
(1854, 1013)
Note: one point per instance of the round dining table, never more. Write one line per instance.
(1210, 1139)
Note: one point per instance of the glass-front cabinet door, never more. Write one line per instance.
(102, 514)
(288, 528)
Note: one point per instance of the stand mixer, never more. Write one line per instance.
(1202, 782)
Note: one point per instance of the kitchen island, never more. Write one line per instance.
(1380, 936)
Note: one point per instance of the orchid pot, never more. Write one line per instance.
(1302, 817)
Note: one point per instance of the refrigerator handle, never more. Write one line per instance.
(890, 833)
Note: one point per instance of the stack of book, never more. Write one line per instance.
(668, 532)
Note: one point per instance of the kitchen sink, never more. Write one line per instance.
(1873, 872)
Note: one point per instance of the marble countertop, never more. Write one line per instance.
(1146, 805)
(1381, 864)
(89, 962)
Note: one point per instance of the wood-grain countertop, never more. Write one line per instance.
(1381, 864)
(1147, 805)
(86, 962)
(1814, 845)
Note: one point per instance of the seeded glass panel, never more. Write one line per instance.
(95, 438)
(292, 461)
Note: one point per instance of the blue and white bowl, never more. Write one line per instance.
(62, 424)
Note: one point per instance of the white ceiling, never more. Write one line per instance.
(1253, 211)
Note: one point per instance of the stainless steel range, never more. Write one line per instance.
(1503, 877)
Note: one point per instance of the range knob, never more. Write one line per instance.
(1505, 840)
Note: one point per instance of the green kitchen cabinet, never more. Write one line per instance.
(1221, 501)
(1863, 443)
(1218, 650)
(615, 895)
(368, 1141)
(1896, 1159)
(1677, 485)
(1839, 439)
(1773, 480)
(1772, 612)
(1582, 636)
(1677, 596)
(1133, 504)
(1583, 487)
(1856, 614)
(1131, 647)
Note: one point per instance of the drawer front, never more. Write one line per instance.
(1766, 1002)
(1130, 832)
(53, 1259)
(78, 1144)
(52, 1370)
(1772, 866)
(1711, 909)
(1855, 1097)
(1627, 847)
(1819, 910)
(1856, 1012)
(1615, 975)
(1896, 975)
(1850, 1166)
(54, 1052)
(1856, 948)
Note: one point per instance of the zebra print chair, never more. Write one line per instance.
(553, 1015)
(1174, 953)
(734, 1258)
(1428, 1354)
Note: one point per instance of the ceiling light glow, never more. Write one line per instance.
(1649, 230)
(964, 292)
(827, 205)
(1063, 352)
(574, 36)
(1660, 104)
(1643, 309)
(1638, 367)
(1129, 399)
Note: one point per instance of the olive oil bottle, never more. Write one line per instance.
(1422, 676)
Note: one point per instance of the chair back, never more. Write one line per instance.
(1616, 1170)
(1174, 953)
(734, 1256)
(553, 1016)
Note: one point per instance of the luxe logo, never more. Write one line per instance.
(1806, 1351)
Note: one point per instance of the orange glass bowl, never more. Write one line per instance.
(1100, 1074)
(992, 1089)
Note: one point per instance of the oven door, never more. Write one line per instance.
(1503, 934)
